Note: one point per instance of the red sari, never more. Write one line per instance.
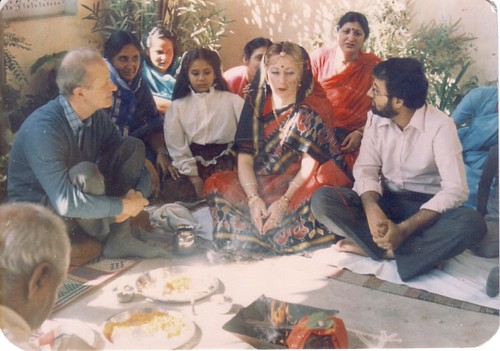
(277, 144)
(276, 165)
(347, 90)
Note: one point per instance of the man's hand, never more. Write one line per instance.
(377, 220)
(133, 204)
(392, 238)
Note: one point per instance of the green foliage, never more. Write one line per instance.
(390, 32)
(445, 54)
(130, 15)
(13, 69)
(193, 22)
(11, 93)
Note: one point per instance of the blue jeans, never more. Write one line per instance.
(341, 211)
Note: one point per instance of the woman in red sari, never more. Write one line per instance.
(345, 73)
(281, 141)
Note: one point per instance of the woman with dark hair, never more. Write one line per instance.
(200, 124)
(344, 71)
(281, 141)
(239, 78)
(134, 110)
(160, 66)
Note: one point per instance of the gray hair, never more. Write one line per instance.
(73, 70)
(31, 234)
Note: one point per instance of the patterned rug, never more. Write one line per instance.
(90, 276)
(372, 282)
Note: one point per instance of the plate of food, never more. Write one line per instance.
(148, 328)
(176, 284)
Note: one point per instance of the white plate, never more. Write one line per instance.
(144, 336)
(51, 330)
(176, 284)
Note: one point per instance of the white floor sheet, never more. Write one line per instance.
(462, 278)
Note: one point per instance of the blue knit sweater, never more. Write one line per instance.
(45, 149)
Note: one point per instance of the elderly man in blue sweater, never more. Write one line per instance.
(68, 155)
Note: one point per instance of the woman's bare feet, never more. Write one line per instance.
(347, 245)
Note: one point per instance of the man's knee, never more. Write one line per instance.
(328, 198)
(88, 178)
(132, 147)
(318, 201)
(469, 224)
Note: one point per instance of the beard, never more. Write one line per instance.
(386, 112)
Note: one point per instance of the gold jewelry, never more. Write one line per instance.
(252, 197)
(280, 127)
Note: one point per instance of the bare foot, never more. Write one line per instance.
(347, 245)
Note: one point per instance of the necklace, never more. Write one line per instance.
(280, 125)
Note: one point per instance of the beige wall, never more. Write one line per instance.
(295, 20)
(300, 20)
(48, 35)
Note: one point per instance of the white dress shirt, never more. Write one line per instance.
(201, 118)
(424, 157)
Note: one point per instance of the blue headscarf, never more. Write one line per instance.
(160, 84)
(124, 102)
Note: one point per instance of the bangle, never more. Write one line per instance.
(252, 197)
(283, 207)
(295, 184)
(287, 200)
(360, 133)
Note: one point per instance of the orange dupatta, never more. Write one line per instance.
(347, 92)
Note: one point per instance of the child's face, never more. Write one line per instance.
(161, 53)
(201, 76)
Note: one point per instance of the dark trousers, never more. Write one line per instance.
(340, 210)
(117, 172)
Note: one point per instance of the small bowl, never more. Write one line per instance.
(124, 293)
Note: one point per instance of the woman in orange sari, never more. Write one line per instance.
(282, 143)
(345, 73)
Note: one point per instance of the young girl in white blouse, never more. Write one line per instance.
(200, 125)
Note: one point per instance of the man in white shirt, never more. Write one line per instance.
(34, 258)
(409, 180)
